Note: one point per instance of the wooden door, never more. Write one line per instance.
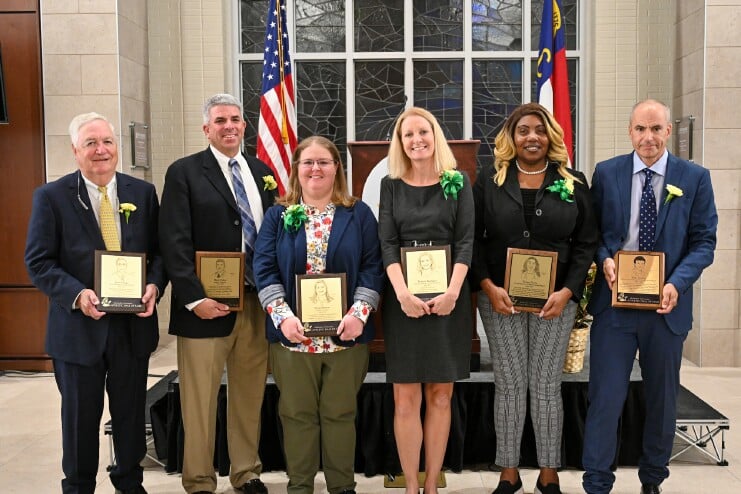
(22, 307)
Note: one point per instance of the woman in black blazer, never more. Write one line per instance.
(530, 199)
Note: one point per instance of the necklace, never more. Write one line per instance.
(536, 172)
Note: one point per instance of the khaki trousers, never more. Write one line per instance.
(201, 364)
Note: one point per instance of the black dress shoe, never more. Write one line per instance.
(134, 490)
(650, 489)
(348, 491)
(254, 486)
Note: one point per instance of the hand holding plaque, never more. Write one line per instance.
(426, 270)
(639, 279)
(119, 280)
(222, 277)
(321, 301)
(530, 277)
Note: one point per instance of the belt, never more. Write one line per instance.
(423, 243)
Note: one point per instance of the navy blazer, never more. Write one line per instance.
(353, 248)
(199, 212)
(62, 237)
(568, 228)
(685, 229)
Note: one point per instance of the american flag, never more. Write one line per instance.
(276, 130)
(553, 80)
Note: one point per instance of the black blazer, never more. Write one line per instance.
(198, 212)
(568, 228)
(63, 235)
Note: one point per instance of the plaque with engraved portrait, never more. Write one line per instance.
(530, 277)
(427, 270)
(321, 302)
(639, 279)
(120, 279)
(222, 277)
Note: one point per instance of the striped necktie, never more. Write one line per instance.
(647, 214)
(108, 221)
(248, 222)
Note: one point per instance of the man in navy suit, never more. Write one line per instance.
(93, 351)
(200, 213)
(685, 231)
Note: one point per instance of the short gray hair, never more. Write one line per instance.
(82, 119)
(217, 100)
(651, 101)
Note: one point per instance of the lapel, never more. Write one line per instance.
(623, 184)
(512, 186)
(674, 172)
(125, 194)
(342, 217)
(299, 247)
(85, 213)
(551, 175)
(265, 195)
(216, 177)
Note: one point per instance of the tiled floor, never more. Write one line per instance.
(30, 444)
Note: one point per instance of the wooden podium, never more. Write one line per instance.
(365, 156)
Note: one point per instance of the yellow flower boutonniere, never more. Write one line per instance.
(126, 208)
(673, 191)
(269, 183)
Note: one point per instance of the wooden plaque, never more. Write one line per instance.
(639, 279)
(120, 279)
(427, 270)
(321, 302)
(530, 277)
(222, 277)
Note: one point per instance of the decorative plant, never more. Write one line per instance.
(583, 319)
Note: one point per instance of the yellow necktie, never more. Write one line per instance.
(108, 222)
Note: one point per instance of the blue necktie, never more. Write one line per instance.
(248, 222)
(647, 216)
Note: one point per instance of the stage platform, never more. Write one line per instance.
(472, 437)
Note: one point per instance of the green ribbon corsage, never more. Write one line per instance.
(294, 217)
(564, 188)
(451, 182)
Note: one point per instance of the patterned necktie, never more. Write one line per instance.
(248, 222)
(647, 216)
(108, 221)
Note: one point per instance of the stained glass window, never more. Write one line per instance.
(379, 25)
(497, 25)
(497, 91)
(379, 98)
(320, 25)
(438, 25)
(403, 53)
(438, 87)
(252, 15)
(321, 101)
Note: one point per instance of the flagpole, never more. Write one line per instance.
(281, 93)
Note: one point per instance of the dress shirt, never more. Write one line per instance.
(636, 190)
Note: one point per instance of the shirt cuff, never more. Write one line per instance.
(279, 311)
(361, 309)
(193, 305)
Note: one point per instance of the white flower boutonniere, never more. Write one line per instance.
(673, 191)
(126, 208)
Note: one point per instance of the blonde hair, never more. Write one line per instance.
(504, 144)
(399, 162)
(340, 194)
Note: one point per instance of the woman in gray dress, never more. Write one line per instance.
(424, 201)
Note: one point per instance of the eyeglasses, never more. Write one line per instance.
(319, 163)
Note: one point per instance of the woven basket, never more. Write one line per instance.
(574, 361)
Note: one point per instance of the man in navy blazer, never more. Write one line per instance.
(686, 234)
(93, 351)
(199, 213)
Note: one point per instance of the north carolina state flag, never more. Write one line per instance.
(553, 80)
